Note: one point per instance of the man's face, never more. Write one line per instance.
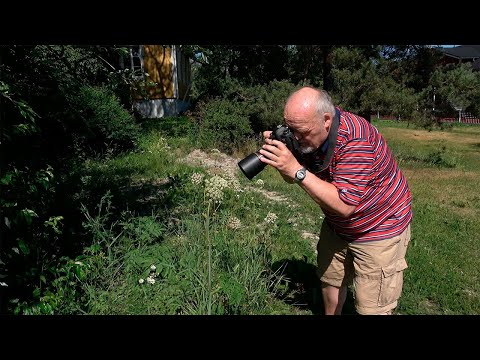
(310, 133)
(308, 126)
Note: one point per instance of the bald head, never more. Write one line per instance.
(300, 105)
(304, 97)
(309, 113)
(307, 104)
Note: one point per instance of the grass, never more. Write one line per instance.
(443, 274)
(203, 265)
(248, 253)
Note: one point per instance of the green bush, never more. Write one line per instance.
(241, 113)
(265, 110)
(224, 125)
(263, 103)
(106, 125)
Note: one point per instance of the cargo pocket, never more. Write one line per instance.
(391, 282)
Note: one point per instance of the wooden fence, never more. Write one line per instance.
(465, 118)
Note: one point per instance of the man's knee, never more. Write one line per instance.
(379, 295)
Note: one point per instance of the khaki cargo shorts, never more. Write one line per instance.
(375, 268)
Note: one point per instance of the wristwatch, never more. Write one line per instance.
(300, 174)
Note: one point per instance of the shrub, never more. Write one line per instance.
(224, 125)
(263, 103)
(266, 109)
(240, 114)
(105, 123)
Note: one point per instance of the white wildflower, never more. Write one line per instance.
(233, 183)
(196, 178)
(141, 281)
(234, 223)
(150, 280)
(260, 182)
(270, 218)
(214, 188)
(161, 145)
(229, 176)
(153, 267)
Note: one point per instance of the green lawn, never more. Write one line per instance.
(254, 252)
(443, 170)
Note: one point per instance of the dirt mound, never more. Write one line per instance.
(218, 163)
(215, 162)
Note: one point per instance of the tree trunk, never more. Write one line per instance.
(366, 115)
(327, 68)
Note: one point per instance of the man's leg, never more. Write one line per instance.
(379, 267)
(334, 268)
(333, 298)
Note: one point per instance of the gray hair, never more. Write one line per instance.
(324, 103)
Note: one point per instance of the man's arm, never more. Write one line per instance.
(275, 153)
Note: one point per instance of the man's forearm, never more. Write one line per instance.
(326, 195)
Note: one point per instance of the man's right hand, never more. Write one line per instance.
(266, 134)
(275, 153)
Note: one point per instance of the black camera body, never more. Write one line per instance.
(252, 165)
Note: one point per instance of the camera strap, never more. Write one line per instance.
(320, 166)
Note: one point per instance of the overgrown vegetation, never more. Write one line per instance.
(92, 197)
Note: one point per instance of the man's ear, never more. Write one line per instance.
(328, 119)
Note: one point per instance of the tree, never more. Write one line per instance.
(55, 108)
(355, 80)
(411, 65)
(456, 86)
(249, 65)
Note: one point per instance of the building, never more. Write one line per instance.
(459, 55)
(162, 79)
(462, 54)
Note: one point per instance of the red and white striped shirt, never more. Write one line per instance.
(366, 176)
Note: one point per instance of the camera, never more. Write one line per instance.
(252, 165)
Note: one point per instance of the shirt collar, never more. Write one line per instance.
(329, 144)
(324, 146)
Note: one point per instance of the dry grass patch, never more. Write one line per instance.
(434, 175)
(431, 136)
(454, 189)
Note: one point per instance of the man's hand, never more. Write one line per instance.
(275, 153)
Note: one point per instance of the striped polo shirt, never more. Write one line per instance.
(366, 176)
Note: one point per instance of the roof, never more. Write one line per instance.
(476, 64)
(463, 52)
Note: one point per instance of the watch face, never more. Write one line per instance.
(300, 175)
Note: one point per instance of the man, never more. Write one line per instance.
(347, 168)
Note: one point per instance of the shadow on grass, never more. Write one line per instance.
(140, 196)
(305, 287)
(144, 197)
(172, 126)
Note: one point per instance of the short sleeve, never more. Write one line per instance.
(353, 170)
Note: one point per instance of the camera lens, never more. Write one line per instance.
(251, 165)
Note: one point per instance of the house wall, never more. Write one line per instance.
(164, 91)
(159, 108)
(158, 64)
(184, 76)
